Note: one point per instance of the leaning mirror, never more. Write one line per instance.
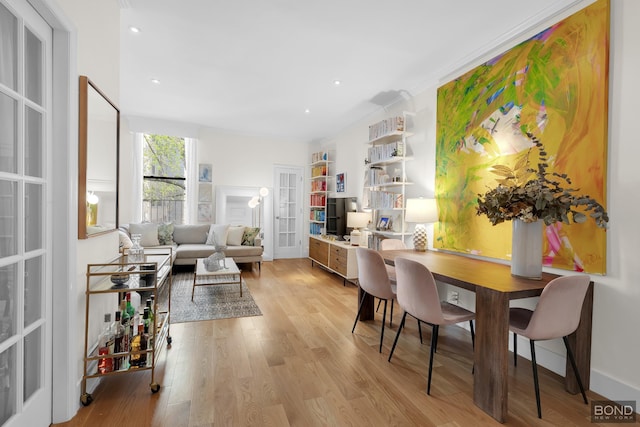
(99, 138)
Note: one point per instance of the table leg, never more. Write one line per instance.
(491, 354)
(240, 280)
(193, 289)
(367, 312)
(580, 342)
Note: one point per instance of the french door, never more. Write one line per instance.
(288, 212)
(25, 212)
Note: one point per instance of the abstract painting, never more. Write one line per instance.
(554, 85)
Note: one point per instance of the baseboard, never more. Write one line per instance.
(613, 389)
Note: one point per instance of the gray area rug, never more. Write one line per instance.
(209, 302)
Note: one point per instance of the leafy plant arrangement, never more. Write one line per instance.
(532, 194)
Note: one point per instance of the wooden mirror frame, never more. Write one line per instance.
(87, 146)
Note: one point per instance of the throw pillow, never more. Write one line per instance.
(234, 238)
(165, 233)
(148, 232)
(250, 234)
(220, 232)
(125, 240)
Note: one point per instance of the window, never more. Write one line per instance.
(163, 183)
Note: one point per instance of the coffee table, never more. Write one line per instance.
(230, 274)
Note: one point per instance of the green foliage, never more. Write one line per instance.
(532, 194)
(164, 157)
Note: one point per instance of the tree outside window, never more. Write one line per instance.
(164, 183)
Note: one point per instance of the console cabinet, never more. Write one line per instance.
(336, 256)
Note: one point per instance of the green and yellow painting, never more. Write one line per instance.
(554, 85)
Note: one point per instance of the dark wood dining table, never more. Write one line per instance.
(494, 287)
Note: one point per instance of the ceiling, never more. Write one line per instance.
(255, 66)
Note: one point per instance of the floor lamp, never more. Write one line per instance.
(421, 211)
(256, 201)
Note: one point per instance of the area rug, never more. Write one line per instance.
(209, 302)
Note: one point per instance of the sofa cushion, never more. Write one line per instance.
(148, 232)
(165, 233)
(183, 233)
(220, 232)
(234, 237)
(250, 234)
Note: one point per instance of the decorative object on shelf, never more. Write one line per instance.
(535, 196)
(357, 220)
(119, 280)
(384, 223)
(136, 251)
(421, 211)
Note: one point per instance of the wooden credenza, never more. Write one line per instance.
(337, 257)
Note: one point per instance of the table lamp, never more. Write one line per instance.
(357, 220)
(421, 211)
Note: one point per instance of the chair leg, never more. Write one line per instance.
(435, 347)
(404, 316)
(434, 340)
(391, 316)
(384, 319)
(534, 365)
(473, 335)
(515, 349)
(420, 330)
(378, 307)
(575, 368)
(364, 294)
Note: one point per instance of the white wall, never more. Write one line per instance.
(615, 346)
(98, 57)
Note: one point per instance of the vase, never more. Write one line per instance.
(526, 249)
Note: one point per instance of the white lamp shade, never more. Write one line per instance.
(358, 219)
(264, 192)
(421, 211)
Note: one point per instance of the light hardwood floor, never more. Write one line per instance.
(299, 365)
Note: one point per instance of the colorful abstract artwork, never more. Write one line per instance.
(554, 85)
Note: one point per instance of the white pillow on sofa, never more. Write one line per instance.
(220, 232)
(148, 232)
(234, 237)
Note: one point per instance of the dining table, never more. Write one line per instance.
(494, 288)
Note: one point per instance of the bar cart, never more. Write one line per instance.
(119, 276)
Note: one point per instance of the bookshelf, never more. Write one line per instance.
(318, 191)
(385, 181)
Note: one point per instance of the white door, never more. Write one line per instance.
(288, 212)
(25, 214)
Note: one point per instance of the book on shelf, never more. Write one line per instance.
(319, 156)
(385, 152)
(386, 127)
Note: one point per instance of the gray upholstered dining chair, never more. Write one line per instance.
(374, 280)
(417, 294)
(389, 245)
(556, 315)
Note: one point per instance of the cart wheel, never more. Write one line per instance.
(155, 387)
(169, 341)
(86, 399)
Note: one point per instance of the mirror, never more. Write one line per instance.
(99, 146)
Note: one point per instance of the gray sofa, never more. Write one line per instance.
(190, 242)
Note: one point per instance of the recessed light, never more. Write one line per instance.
(134, 29)
(337, 82)
(307, 111)
(155, 81)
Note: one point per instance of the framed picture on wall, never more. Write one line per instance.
(204, 172)
(341, 184)
(204, 212)
(205, 193)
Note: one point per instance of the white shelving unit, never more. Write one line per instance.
(386, 181)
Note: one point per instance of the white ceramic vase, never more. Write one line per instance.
(526, 249)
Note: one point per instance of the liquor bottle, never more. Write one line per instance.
(138, 344)
(118, 334)
(148, 327)
(105, 339)
(151, 314)
(146, 342)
